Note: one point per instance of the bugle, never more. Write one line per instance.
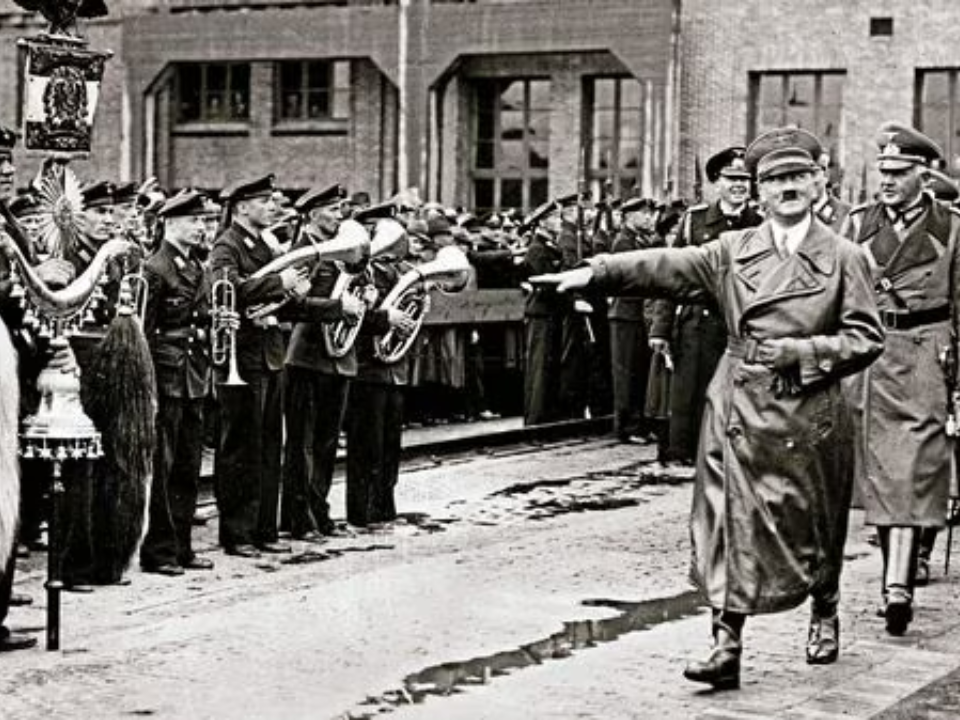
(339, 336)
(351, 244)
(447, 272)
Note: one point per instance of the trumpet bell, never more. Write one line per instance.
(387, 238)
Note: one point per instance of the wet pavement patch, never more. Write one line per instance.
(449, 678)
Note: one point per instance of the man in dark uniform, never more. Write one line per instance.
(828, 208)
(374, 418)
(176, 326)
(249, 453)
(695, 332)
(629, 352)
(906, 460)
(317, 382)
(543, 320)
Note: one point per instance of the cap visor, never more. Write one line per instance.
(896, 164)
(786, 168)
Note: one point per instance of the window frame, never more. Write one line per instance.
(495, 174)
(205, 122)
(613, 179)
(951, 143)
(326, 124)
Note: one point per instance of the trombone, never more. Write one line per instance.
(224, 341)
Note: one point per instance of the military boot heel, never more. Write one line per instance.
(722, 666)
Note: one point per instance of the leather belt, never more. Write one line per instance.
(742, 348)
(893, 320)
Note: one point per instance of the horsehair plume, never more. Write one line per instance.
(120, 396)
(9, 463)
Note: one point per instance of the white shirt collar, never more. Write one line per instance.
(788, 239)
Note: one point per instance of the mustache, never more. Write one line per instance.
(789, 195)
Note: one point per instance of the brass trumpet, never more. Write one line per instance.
(224, 341)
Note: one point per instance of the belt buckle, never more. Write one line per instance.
(889, 318)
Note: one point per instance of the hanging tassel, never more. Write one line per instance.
(120, 396)
(9, 464)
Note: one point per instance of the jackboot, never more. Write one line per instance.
(721, 668)
(823, 639)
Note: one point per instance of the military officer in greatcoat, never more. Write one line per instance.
(317, 381)
(770, 502)
(694, 331)
(176, 324)
(912, 242)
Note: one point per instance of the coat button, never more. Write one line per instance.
(789, 444)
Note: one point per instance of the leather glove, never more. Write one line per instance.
(778, 353)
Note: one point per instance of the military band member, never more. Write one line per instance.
(248, 461)
(694, 332)
(177, 327)
(374, 418)
(770, 499)
(911, 240)
(317, 382)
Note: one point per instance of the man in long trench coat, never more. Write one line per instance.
(912, 242)
(772, 486)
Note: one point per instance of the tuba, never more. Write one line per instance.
(447, 272)
(339, 336)
(351, 244)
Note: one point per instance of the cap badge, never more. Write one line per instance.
(891, 148)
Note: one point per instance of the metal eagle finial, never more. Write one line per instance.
(62, 14)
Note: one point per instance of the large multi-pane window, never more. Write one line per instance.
(312, 90)
(810, 100)
(213, 92)
(511, 143)
(612, 139)
(938, 111)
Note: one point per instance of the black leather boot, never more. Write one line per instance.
(823, 639)
(722, 666)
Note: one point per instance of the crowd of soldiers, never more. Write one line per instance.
(741, 335)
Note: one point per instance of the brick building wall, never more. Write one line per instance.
(725, 40)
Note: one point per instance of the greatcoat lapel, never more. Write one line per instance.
(924, 243)
(760, 266)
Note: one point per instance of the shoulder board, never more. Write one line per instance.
(862, 207)
(698, 208)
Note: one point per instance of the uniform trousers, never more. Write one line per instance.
(176, 476)
(249, 459)
(630, 361)
(700, 343)
(541, 378)
(315, 406)
(374, 428)
(6, 586)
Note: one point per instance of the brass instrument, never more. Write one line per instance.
(133, 295)
(339, 336)
(224, 341)
(447, 272)
(351, 244)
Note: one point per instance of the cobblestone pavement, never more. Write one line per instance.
(531, 582)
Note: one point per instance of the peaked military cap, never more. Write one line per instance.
(23, 205)
(246, 189)
(319, 197)
(902, 147)
(211, 207)
(438, 225)
(939, 184)
(376, 212)
(97, 194)
(124, 193)
(184, 204)
(729, 162)
(636, 204)
(8, 138)
(783, 150)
